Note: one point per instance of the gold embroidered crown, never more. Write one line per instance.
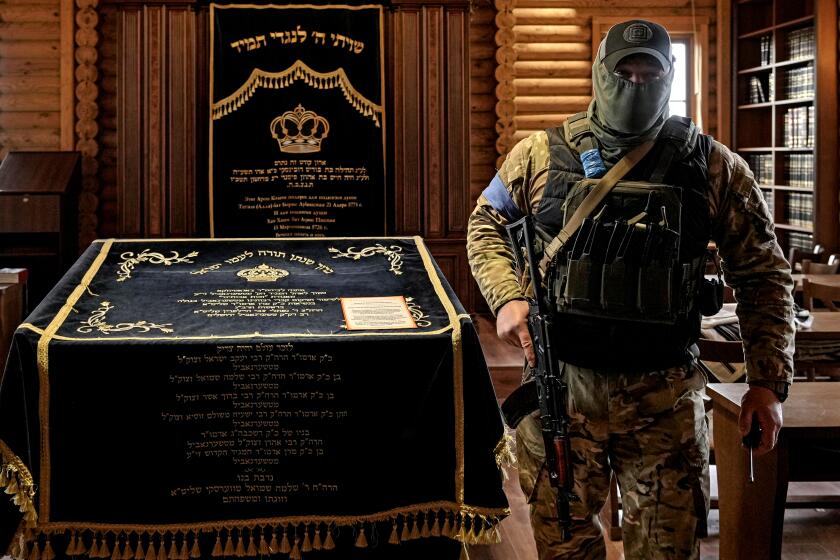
(262, 273)
(299, 131)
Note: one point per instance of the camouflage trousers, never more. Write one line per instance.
(651, 430)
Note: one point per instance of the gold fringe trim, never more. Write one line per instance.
(237, 540)
(252, 546)
(329, 543)
(404, 536)
(307, 544)
(394, 538)
(361, 540)
(436, 526)
(505, 455)
(316, 542)
(273, 547)
(426, 531)
(285, 78)
(17, 482)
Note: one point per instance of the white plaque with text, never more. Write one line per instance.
(389, 312)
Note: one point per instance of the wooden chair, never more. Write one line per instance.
(796, 256)
(811, 267)
(727, 351)
(825, 293)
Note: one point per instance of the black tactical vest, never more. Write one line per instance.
(679, 159)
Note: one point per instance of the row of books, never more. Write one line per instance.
(766, 43)
(798, 130)
(799, 170)
(758, 92)
(800, 240)
(800, 43)
(799, 209)
(799, 82)
(762, 167)
(768, 198)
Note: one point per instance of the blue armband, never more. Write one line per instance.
(499, 198)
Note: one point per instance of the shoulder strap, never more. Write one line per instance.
(677, 137)
(592, 200)
(577, 132)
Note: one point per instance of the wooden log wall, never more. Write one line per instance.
(30, 75)
(544, 58)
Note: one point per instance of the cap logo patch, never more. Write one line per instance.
(638, 33)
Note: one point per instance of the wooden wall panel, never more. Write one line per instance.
(150, 136)
(407, 70)
(429, 86)
(107, 68)
(128, 150)
(457, 125)
(434, 129)
(30, 76)
(482, 88)
(180, 100)
(482, 119)
(87, 113)
(153, 119)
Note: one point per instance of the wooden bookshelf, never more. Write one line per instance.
(781, 78)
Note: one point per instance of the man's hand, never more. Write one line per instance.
(763, 403)
(512, 327)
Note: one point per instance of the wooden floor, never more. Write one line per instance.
(809, 534)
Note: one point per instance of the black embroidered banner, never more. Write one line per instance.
(297, 126)
(254, 390)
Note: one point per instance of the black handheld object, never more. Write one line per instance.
(751, 441)
(551, 389)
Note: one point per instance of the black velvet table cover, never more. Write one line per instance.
(187, 398)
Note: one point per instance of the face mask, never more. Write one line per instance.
(629, 108)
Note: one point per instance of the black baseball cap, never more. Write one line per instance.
(636, 36)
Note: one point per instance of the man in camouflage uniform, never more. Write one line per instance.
(648, 427)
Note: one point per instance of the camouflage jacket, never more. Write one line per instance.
(741, 227)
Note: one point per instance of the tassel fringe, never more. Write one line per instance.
(361, 540)
(404, 536)
(292, 541)
(316, 542)
(505, 453)
(329, 544)
(17, 482)
(295, 553)
(394, 538)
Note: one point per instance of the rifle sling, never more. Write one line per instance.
(592, 200)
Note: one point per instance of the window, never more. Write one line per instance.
(680, 103)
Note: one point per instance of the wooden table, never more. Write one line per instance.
(825, 326)
(752, 515)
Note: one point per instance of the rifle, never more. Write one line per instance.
(551, 389)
